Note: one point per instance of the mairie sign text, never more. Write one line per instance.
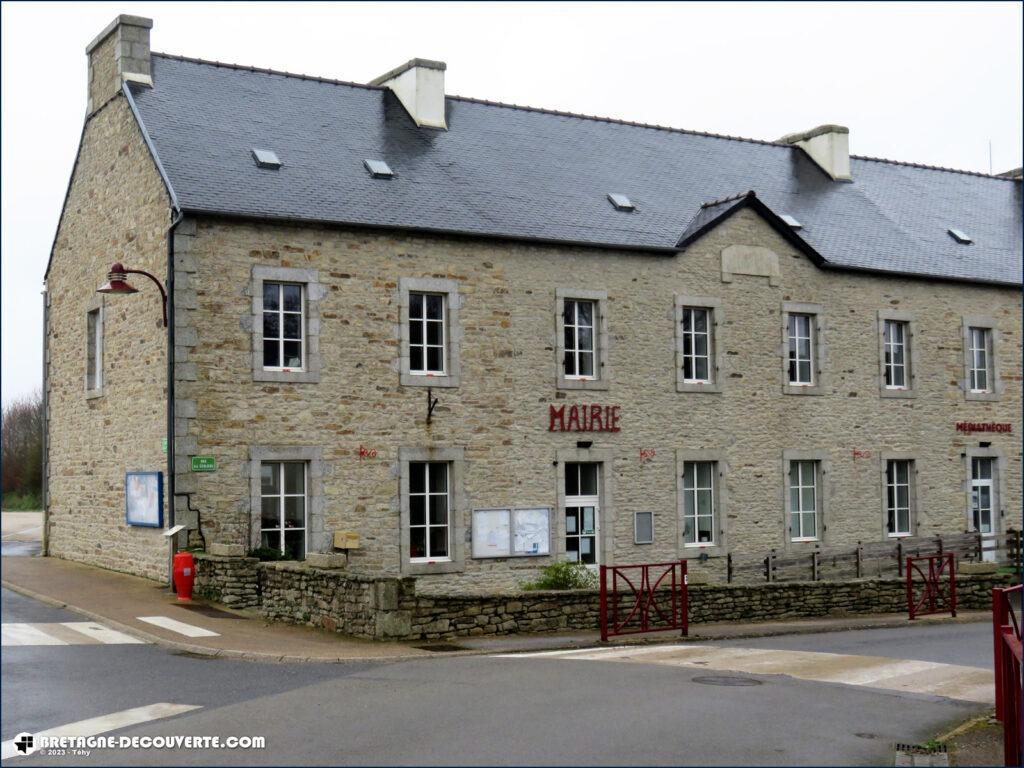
(584, 417)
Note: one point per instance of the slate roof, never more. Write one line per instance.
(528, 174)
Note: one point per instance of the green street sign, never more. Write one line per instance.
(204, 463)
(163, 445)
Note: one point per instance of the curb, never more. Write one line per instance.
(257, 656)
(199, 650)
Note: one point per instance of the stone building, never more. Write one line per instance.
(472, 338)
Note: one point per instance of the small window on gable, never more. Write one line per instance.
(94, 351)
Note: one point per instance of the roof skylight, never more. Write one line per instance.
(791, 221)
(960, 236)
(621, 202)
(266, 158)
(378, 169)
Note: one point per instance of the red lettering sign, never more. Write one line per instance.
(367, 453)
(967, 427)
(583, 418)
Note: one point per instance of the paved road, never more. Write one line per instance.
(22, 532)
(465, 710)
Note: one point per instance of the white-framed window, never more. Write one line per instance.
(803, 500)
(983, 493)
(895, 346)
(698, 503)
(283, 515)
(897, 496)
(696, 340)
(578, 320)
(94, 350)
(800, 330)
(429, 511)
(979, 355)
(284, 322)
(582, 512)
(427, 334)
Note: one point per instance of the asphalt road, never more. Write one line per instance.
(969, 645)
(479, 710)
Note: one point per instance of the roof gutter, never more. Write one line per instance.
(152, 148)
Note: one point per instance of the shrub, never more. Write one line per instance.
(268, 553)
(564, 576)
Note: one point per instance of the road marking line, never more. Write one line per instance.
(27, 634)
(188, 630)
(596, 654)
(101, 634)
(94, 726)
(904, 675)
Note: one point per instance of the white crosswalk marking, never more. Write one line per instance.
(188, 630)
(102, 634)
(96, 725)
(910, 676)
(27, 634)
(64, 633)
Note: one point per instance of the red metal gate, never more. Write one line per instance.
(653, 598)
(931, 584)
(1006, 636)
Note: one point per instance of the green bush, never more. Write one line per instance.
(564, 576)
(22, 502)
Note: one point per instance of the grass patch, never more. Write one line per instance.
(22, 502)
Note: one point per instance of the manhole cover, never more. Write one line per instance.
(208, 610)
(726, 680)
(440, 647)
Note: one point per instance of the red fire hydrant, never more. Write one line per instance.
(184, 570)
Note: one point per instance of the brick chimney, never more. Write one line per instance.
(419, 85)
(120, 53)
(828, 146)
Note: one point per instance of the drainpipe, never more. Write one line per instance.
(176, 217)
(45, 489)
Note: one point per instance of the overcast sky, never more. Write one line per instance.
(928, 83)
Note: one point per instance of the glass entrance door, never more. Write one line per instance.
(582, 513)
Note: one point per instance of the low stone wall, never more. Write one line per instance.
(335, 600)
(233, 581)
(389, 608)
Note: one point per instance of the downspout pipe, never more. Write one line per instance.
(176, 218)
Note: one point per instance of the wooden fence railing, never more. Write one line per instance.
(883, 559)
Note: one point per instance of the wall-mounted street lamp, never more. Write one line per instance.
(117, 283)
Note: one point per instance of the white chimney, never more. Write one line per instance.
(419, 85)
(828, 146)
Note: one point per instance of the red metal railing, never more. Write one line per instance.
(936, 575)
(1007, 659)
(653, 598)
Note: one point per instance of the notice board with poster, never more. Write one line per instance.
(511, 532)
(144, 499)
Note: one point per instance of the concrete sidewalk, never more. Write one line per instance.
(118, 600)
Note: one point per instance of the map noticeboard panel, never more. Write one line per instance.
(531, 531)
(511, 532)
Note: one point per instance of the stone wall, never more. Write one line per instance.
(233, 581)
(362, 415)
(117, 210)
(389, 608)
